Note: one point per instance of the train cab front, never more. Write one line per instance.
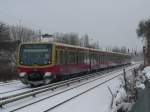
(29, 76)
(34, 64)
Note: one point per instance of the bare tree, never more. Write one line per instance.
(115, 49)
(85, 40)
(143, 31)
(24, 34)
(4, 32)
(68, 38)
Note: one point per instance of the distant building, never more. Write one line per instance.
(47, 38)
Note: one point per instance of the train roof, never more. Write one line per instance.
(79, 47)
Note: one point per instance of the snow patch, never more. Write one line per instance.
(146, 72)
(120, 96)
(140, 85)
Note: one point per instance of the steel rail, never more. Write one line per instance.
(53, 84)
(19, 96)
(66, 91)
(71, 98)
(12, 90)
(9, 83)
(33, 92)
(15, 98)
(41, 87)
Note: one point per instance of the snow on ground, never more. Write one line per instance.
(146, 69)
(146, 72)
(5, 88)
(140, 85)
(97, 100)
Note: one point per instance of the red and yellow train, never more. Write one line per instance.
(40, 63)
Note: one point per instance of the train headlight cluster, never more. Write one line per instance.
(47, 77)
(47, 74)
(22, 74)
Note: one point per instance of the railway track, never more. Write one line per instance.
(15, 90)
(79, 94)
(53, 86)
(70, 89)
(9, 83)
(35, 91)
(6, 90)
(19, 91)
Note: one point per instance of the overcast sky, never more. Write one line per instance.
(111, 22)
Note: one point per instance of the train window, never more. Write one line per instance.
(87, 58)
(106, 59)
(82, 57)
(79, 57)
(61, 57)
(70, 57)
(97, 58)
(56, 59)
(103, 58)
(60, 54)
(100, 58)
(73, 57)
(93, 58)
(65, 57)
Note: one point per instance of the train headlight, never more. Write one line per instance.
(47, 74)
(22, 74)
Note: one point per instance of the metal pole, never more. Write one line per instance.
(125, 81)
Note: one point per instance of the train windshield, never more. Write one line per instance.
(35, 54)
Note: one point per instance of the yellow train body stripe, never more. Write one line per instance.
(53, 54)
